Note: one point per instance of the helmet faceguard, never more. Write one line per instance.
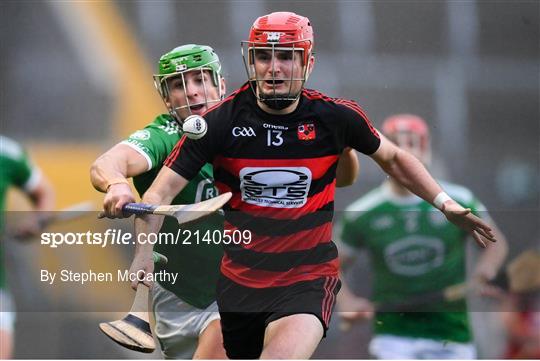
(180, 61)
(411, 133)
(273, 34)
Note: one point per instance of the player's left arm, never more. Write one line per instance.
(410, 172)
(348, 168)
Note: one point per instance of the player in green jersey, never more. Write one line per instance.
(18, 171)
(187, 322)
(414, 251)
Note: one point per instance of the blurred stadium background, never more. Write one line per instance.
(76, 78)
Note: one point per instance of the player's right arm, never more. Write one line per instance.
(109, 175)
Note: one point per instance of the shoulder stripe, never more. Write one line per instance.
(315, 95)
(227, 99)
(355, 107)
(174, 154)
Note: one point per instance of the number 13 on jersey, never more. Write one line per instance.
(274, 138)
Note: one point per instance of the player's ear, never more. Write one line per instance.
(311, 62)
(310, 65)
(222, 86)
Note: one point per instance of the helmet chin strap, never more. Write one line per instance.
(276, 104)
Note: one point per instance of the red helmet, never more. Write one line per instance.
(409, 131)
(284, 28)
(405, 123)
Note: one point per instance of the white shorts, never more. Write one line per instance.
(407, 348)
(7, 311)
(179, 324)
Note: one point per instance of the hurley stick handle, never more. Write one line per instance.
(140, 303)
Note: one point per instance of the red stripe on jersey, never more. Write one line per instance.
(222, 187)
(249, 277)
(298, 241)
(313, 203)
(318, 166)
(315, 95)
(355, 107)
(176, 150)
(232, 95)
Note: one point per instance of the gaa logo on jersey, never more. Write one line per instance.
(276, 187)
(306, 131)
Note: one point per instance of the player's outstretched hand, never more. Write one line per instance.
(463, 218)
(117, 196)
(142, 265)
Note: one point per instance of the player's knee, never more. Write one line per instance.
(210, 344)
(295, 336)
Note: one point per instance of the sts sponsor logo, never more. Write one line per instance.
(277, 187)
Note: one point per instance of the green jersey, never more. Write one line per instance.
(414, 250)
(195, 261)
(18, 171)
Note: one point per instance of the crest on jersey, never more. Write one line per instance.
(306, 131)
(141, 135)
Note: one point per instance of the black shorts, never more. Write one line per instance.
(245, 312)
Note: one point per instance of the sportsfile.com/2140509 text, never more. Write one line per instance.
(120, 237)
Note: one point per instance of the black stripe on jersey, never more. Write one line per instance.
(227, 178)
(282, 262)
(318, 185)
(280, 227)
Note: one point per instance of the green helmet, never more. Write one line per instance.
(183, 59)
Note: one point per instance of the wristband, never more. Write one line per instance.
(440, 199)
(116, 181)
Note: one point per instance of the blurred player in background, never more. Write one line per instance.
(414, 250)
(18, 171)
(276, 146)
(189, 81)
(521, 311)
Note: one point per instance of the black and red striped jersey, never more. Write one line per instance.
(281, 170)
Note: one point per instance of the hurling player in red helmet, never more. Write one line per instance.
(276, 146)
(279, 57)
(414, 251)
